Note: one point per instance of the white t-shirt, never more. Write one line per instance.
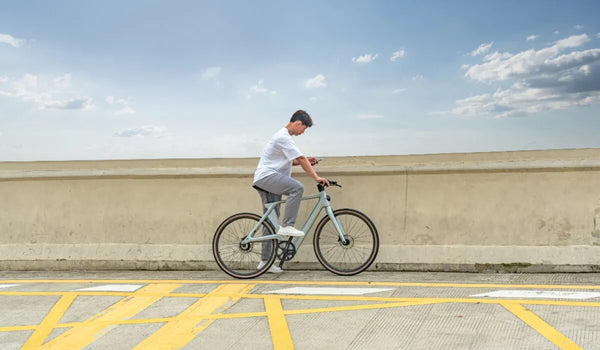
(278, 155)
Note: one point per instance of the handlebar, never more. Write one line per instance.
(321, 187)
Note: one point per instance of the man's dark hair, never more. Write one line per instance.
(303, 117)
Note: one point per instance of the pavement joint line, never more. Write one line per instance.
(335, 283)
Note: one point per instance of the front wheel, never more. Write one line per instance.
(243, 260)
(356, 252)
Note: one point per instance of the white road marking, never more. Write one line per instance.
(8, 285)
(113, 288)
(328, 291)
(545, 294)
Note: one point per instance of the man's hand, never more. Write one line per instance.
(323, 181)
(306, 165)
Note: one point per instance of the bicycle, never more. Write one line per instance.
(345, 241)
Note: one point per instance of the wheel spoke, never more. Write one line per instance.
(236, 259)
(350, 258)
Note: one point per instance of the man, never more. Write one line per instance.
(273, 175)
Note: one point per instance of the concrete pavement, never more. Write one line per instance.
(298, 310)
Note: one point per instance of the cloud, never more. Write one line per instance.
(366, 58)
(124, 105)
(259, 88)
(211, 73)
(481, 49)
(398, 91)
(45, 93)
(504, 66)
(578, 27)
(418, 77)
(143, 131)
(10, 40)
(316, 82)
(553, 78)
(532, 37)
(369, 116)
(398, 54)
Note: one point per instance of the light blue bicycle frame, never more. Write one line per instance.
(271, 215)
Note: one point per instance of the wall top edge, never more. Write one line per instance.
(247, 171)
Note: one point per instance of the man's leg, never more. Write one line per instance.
(268, 197)
(280, 184)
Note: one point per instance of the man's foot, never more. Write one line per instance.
(289, 231)
(272, 269)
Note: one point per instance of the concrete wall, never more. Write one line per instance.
(509, 211)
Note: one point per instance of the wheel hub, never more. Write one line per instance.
(349, 243)
(245, 247)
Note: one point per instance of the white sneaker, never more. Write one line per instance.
(290, 231)
(272, 269)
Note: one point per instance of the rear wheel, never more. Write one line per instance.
(356, 252)
(242, 260)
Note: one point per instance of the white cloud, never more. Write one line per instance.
(481, 49)
(369, 116)
(10, 40)
(259, 88)
(551, 78)
(45, 92)
(598, 35)
(316, 82)
(398, 91)
(398, 54)
(578, 27)
(211, 73)
(143, 131)
(123, 105)
(366, 58)
(556, 32)
(504, 66)
(418, 77)
(532, 37)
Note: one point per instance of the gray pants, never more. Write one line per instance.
(277, 185)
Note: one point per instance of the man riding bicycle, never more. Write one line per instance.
(273, 174)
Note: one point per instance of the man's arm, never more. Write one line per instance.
(305, 163)
(311, 160)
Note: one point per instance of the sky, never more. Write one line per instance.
(87, 80)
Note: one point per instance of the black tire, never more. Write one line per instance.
(235, 259)
(353, 257)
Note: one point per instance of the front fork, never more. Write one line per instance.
(337, 225)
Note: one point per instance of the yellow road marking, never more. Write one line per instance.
(181, 329)
(83, 333)
(359, 307)
(49, 322)
(385, 302)
(87, 331)
(334, 283)
(541, 326)
(280, 333)
(322, 297)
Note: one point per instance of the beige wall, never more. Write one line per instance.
(510, 211)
